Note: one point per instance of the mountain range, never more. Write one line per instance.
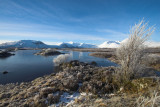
(40, 44)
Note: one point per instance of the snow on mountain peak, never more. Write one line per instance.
(24, 44)
(71, 42)
(76, 45)
(109, 44)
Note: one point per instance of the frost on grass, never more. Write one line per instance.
(153, 101)
(61, 58)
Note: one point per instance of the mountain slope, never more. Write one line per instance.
(76, 45)
(109, 44)
(24, 44)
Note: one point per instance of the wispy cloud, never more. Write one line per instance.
(112, 32)
(57, 36)
(41, 11)
(28, 27)
(34, 31)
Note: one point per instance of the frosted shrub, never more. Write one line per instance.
(48, 50)
(61, 58)
(131, 53)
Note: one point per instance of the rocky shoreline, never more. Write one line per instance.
(75, 84)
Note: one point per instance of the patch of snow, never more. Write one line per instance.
(66, 98)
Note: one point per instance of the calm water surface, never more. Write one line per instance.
(25, 66)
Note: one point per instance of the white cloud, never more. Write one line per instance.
(32, 31)
(112, 32)
(59, 36)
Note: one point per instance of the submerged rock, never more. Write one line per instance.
(5, 72)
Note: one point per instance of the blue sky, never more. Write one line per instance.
(88, 21)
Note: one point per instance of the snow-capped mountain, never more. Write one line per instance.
(24, 44)
(76, 45)
(109, 44)
(39, 44)
(116, 44)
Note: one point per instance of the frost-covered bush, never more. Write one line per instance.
(48, 50)
(131, 53)
(61, 58)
